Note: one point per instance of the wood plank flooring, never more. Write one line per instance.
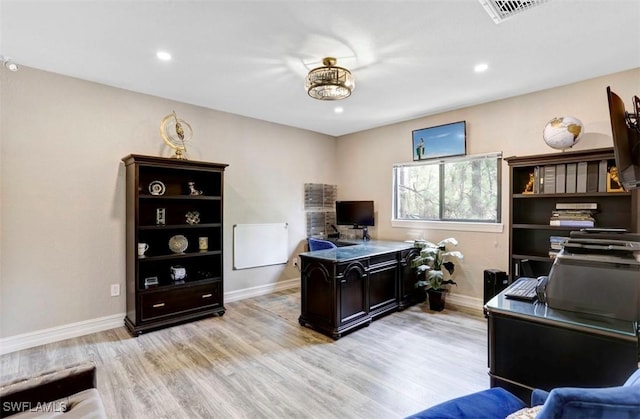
(257, 362)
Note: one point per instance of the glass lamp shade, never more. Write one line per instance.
(329, 82)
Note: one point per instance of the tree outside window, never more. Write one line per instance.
(458, 189)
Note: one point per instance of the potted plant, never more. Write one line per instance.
(434, 268)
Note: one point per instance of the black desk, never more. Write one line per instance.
(533, 346)
(348, 287)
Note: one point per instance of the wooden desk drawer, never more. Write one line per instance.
(168, 302)
(386, 259)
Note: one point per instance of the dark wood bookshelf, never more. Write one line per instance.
(167, 301)
(530, 212)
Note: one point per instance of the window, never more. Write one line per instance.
(463, 189)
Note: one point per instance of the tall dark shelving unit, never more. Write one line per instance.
(529, 213)
(154, 299)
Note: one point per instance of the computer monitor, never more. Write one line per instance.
(355, 213)
(625, 128)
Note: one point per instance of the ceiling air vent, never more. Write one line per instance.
(503, 10)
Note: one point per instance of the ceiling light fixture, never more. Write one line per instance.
(480, 68)
(329, 82)
(8, 63)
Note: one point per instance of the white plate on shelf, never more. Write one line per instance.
(157, 188)
(178, 243)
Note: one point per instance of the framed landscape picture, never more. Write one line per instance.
(440, 141)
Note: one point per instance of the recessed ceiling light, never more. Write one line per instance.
(480, 68)
(163, 55)
(338, 109)
(8, 63)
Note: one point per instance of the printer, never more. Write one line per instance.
(597, 272)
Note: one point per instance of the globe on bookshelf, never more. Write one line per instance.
(563, 132)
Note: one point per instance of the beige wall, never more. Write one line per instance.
(512, 126)
(62, 183)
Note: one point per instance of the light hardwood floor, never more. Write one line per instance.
(257, 362)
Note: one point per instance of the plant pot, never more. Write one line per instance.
(436, 299)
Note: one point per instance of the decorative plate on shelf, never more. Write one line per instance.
(157, 188)
(178, 243)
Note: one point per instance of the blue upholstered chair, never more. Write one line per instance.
(318, 244)
(565, 402)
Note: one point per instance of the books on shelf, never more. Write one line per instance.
(581, 177)
(571, 177)
(603, 170)
(561, 178)
(572, 223)
(592, 176)
(549, 179)
(573, 212)
(576, 205)
(572, 218)
(557, 242)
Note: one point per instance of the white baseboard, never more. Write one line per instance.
(261, 290)
(472, 305)
(58, 333)
(86, 327)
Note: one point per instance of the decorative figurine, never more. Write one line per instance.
(528, 188)
(613, 180)
(160, 216)
(151, 281)
(193, 190)
(193, 217)
(175, 132)
(178, 273)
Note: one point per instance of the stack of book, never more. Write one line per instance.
(555, 245)
(574, 214)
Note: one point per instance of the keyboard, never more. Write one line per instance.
(523, 289)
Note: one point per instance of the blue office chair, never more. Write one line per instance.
(319, 244)
(566, 403)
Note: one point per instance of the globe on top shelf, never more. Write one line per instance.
(563, 132)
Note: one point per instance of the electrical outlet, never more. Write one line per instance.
(115, 290)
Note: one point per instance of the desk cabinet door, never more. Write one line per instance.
(353, 297)
(543, 356)
(383, 289)
(318, 294)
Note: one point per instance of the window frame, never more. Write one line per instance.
(446, 224)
